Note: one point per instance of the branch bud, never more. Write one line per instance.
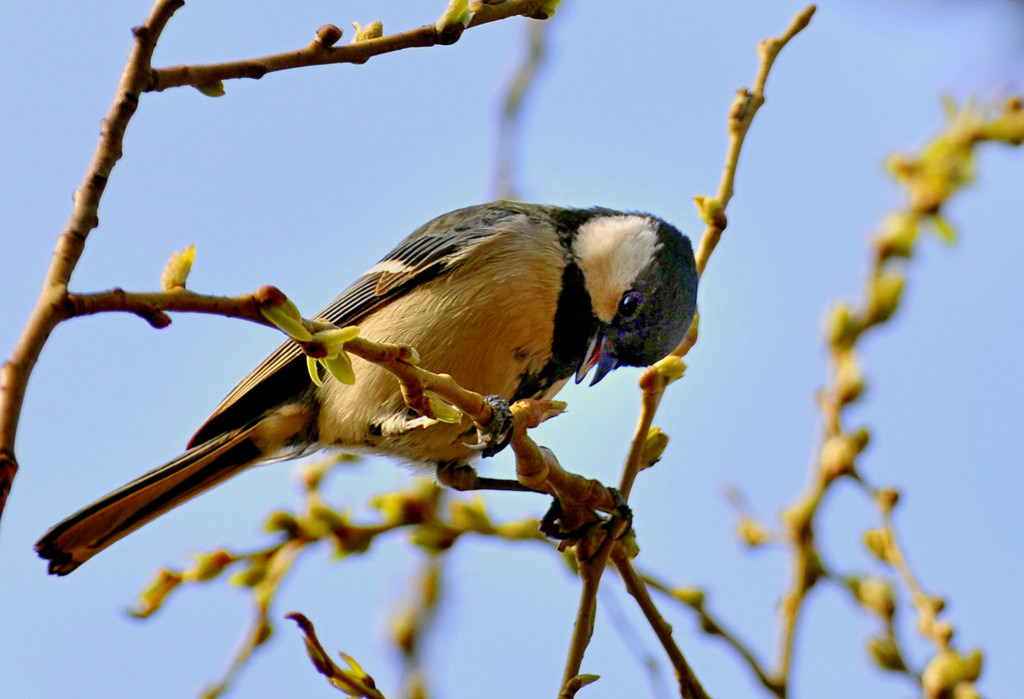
(884, 297)
(176, 271)
(373, 30)
(885, 652)
(654, 446)
(842, 328)
(328, 35)
(879, 543)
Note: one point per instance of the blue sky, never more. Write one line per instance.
(304, 179)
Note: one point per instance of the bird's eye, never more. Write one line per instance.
(629, 303)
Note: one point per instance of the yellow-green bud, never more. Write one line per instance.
(885, 652)
(849, 379)
(902, 167)
(751, 532)
(546, 11)
(898, 235)
(947, 670)
(151, 598)
(471, 516)
(943, 229)
(842, 328)
(837, 456)
(176, 271)
(281, 521)
(711, 211)
(313, 368)
(212, 89)
(519, 530)
(692, 596)
(404, 630)
(373, 30)
(654, 447)
(456, 15)
(798, 516)
(876, 595)
(879, 543)
(334, 339)
(252, 575)
(209, 565)
(942, 631)
(282, 313)
(884, 296)
(887, 499)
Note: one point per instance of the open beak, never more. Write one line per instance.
(600, 353)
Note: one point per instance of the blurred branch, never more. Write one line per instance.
(411, 621)
(512, 111)
(944, 167)
(694, 598)
(418, 509)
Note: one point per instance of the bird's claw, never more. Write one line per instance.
(496, 434)
(549, 523)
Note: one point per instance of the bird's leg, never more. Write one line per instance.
(461, 476)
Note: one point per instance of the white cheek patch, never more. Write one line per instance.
(612, 252)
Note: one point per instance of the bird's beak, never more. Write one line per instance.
(600, 353)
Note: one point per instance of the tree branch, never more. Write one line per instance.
(54, 304)
(689, 685)
(741, 116)
(50, 308)
(319, 52)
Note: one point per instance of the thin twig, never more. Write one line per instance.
(316, 53)
(715, 627)
(689, 685)
(741, 115)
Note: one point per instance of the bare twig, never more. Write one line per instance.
(694, 599)
(741, 116)
(689, 685)
(319, 52)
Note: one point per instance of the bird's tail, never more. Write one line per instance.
(84, 534)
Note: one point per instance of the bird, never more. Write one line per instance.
(511, 299)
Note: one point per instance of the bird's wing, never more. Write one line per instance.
(429, 252)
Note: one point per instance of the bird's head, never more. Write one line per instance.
(640, 275)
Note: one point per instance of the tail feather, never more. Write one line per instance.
(84, 534)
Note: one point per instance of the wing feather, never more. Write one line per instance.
(432, 250)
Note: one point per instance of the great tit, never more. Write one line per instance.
(511, 299)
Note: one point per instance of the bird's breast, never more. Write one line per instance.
(488, 323)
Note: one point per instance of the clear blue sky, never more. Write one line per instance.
(304, 179)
